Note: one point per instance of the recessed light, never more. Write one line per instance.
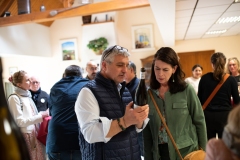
(237, 1)
(229, 19)
(216, 32)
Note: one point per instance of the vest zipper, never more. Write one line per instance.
(131, 147)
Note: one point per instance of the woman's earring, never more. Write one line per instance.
(173, 77)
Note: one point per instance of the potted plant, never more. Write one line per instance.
(98, 45)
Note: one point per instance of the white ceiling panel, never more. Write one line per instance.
(209, 3)
(182, 25)
(234, 7)
(206, 17)
(179, 36)
(184, 13)
(237, 25)
(221, 27)
(186, 4)
(193, 23)
(197, 28)
(210, 10)
(182, 20)
(202, 23)
(180, 30)
(231, 14)
(235, 28)
(230, 33)
(193, 37)
(224, 25)
(211, 35)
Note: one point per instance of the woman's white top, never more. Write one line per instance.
(27, 116)
(194, 82)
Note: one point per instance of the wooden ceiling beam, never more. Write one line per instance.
(67, 3)
(4, 6)
(100, 7)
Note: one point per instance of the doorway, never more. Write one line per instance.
(189, 59)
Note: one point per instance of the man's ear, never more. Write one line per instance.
(131, 70)
(104, 64)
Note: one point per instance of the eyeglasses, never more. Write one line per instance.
(35, 82)
(93, 68)
(110, 50)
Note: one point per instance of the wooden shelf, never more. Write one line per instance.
(96, 23)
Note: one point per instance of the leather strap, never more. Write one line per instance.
(165, 125)
(214, 91)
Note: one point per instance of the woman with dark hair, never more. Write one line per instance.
(196, 76)
(179, 106)
(217, 110)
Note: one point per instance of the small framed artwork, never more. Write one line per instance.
(12, 70)
(69, 49)
(142, 37)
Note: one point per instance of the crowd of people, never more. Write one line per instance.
(93, 117)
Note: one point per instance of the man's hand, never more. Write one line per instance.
(135, 116)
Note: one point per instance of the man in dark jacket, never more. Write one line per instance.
(131, 83)
(39, 97)
(62, 139)
(108, 123)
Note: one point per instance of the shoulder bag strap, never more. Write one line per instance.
(21, 104)
(165, 125)
(215, 91)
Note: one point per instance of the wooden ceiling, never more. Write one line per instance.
(11, 6)
(46, 19)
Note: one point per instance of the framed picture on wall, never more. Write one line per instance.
(142, 37)
(12, 70)
(69, 49)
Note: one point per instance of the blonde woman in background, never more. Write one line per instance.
(233, 68)
(25, 113)
(196, 76)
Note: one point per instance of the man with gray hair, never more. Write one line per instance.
(131, 79)
(131, 83)
(104, 108)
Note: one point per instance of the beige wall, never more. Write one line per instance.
(50, 69)
(230, 45)
(28, 39)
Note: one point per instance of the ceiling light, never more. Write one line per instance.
(237, 1)
(229, 19)
(216, 32)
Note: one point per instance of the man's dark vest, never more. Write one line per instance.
(124, 145)
(40, 98)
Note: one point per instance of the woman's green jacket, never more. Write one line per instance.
(185, 119)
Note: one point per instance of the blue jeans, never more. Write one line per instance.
(65, 155)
